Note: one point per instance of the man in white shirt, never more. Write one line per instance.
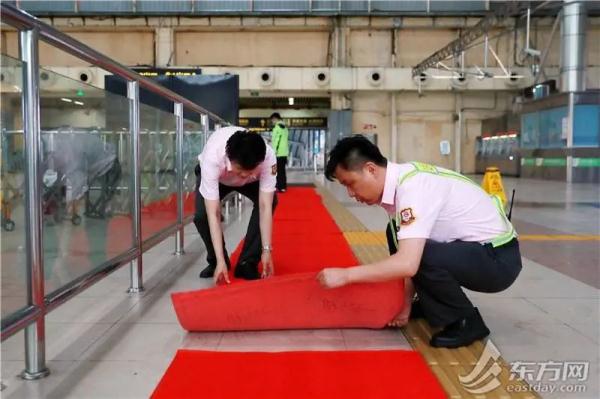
(236, 160)
(445, 233)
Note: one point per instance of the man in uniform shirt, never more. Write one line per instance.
(234, 159)
(445, 233)
(279, 140)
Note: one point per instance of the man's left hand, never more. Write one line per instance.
(268, 269)
(333, 277)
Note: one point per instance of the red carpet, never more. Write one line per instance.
(305, 240)
(331, 375)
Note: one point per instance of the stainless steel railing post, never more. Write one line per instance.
(136, 266)
(179, 235)
(35, 333)
(205, 128)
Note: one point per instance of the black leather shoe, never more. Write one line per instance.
(462, 332)
(247, 271)
(208, 271)
(416, 311)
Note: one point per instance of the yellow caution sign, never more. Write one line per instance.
(492, 183)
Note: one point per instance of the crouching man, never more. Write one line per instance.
(445, 233)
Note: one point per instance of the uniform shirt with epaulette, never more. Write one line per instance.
(439, 204)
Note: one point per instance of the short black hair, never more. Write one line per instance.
(275, 115)
(351, 153)
(246, 149)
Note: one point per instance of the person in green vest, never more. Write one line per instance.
(279, 140)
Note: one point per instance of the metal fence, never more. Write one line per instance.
(85, 201)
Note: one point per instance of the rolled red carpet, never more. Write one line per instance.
(288, 302)
(305, 240)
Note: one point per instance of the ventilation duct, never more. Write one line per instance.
(572, 35)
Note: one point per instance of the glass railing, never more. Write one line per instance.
(86, 179)
(158, 170)
(12, 233)
(193, 143)
(90, 179)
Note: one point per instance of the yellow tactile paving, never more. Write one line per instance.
(365, 237)
(446, 364)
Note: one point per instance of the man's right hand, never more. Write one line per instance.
(221, 274)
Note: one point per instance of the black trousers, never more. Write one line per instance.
(281, 176)
(446, 267)
(252, 243)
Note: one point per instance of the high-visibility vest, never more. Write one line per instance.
(279, 140)
(426, 168)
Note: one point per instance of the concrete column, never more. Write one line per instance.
(164, 45)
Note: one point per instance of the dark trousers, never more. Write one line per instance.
(281, 176)
(252, 243)
(446, 267)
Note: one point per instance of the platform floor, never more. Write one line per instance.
(106, 343)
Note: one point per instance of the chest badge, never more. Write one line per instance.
(406, 216)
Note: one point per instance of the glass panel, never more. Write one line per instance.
(86, 196)
(172, 6)
(552, 128)
(158, 174)
(283, 6)
(586, 129)
(530, 134)
(12, 178)
(223, 6)
(193, 142)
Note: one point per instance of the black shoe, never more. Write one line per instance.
(247, 271)
(462, 332)
(416, 311)
(208, 271)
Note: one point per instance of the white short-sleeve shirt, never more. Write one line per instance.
(216, 167)
(440, 208)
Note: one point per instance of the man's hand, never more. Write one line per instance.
(333, 277)
(267, 264)
(221, 274)
(402, 318)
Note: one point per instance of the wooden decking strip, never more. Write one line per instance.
(446, 364)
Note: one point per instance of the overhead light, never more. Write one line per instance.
(67, 100)
(291, 100)
(78, 103)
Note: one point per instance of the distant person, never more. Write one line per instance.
(234, 159)
(279, 141)
(445, 233)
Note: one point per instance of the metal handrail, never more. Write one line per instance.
(20, 19)
(32, 316)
